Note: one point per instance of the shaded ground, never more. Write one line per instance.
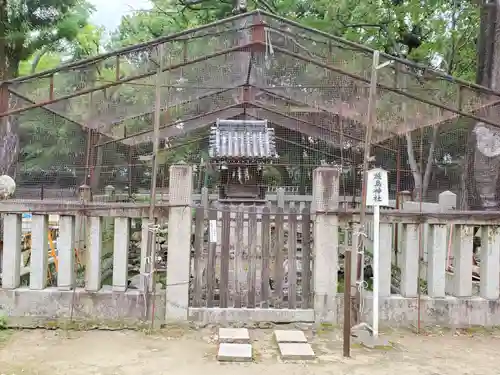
(182, 351)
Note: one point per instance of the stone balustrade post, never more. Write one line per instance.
(463, 243)
(66, 253)
(403, 197)
(179, 242)
(326, 242)
(11, 255)
(409, 260)
(280, 197)
(39, 252)
(93, 274)
(490, 262)
(110, 193)
(120, 253)
(385, 256)
(436, 239)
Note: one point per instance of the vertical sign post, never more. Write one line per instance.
(377, 194)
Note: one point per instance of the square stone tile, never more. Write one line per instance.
(296, 351)
(229, 352)
(234, 335)
(287, 336)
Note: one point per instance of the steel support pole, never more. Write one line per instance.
(371, 121)
(150, 286)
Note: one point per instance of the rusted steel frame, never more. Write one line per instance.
(206, 95)
(48, 109)
(174, 36)
(304, 146)
(398, 198)
(305, 122)
(251, 105)
(127, 79)
(386, 87)
(117, 69)
(51, 87)
(134, 48)
(321, 109)
(177, 122)
(370, 51)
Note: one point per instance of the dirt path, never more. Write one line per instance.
(179, 351)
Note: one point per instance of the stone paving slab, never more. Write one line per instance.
(288, 336)
(234, 335)
(296, 351)
(229, 352)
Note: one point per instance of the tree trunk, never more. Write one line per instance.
(9, 147)
(481, 172)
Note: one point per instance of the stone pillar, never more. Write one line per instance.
(404, 196)
(120, 253)
(325, 199)
(280, 197)
(179, 242)
(94, 254)
(11, 263)
(447, 201)
(490, 262)
(436, 267)
(66, 253)
(409, 260)
(109, 191)
(205, 198)
(462, 278)
(39, 251)
(384, 268)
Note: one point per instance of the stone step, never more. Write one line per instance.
(289, 336)
(296, 351)
(293, 345)
(229, 352)
(234, 336)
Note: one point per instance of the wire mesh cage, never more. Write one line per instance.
(312, 87)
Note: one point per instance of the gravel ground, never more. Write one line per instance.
(187, 351)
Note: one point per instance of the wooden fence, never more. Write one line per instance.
(257, 258)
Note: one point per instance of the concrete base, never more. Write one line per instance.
(245, 315)
(365, 338)
(234, 335)
(51, 308)
(229, 352)
(296, 351)
(398, 311)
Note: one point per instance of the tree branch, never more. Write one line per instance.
(430, 162)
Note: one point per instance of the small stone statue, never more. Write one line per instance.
(7, 187)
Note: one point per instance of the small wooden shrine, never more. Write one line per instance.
(240, 149)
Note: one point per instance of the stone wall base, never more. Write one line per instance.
(51, 308)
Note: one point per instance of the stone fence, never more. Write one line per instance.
(117, 305)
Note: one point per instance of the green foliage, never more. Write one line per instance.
(33, 26)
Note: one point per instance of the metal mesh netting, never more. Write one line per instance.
(312, 87)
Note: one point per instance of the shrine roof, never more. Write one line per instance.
(243, 140)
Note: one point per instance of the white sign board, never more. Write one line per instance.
(377, 188)
(213, 231)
